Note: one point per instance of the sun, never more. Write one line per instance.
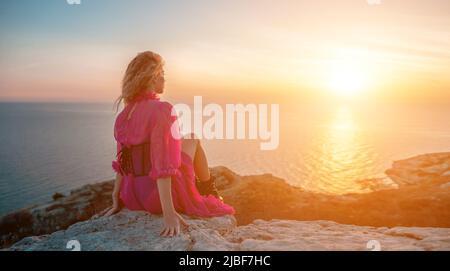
(347, 78)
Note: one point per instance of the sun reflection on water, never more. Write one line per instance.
(342, 154)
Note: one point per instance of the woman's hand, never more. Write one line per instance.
(172, 223)
(115, 208)
(172, 219)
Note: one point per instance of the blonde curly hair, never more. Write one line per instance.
(140, 75)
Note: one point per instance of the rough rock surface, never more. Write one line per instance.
(58, 214)
(422, 202)
(420, 168)
(425, 203)
(140, 231)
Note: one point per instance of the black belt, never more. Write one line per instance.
(128, 160)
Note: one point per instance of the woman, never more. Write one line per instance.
(156, 170)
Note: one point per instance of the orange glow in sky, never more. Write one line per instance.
(397, 50)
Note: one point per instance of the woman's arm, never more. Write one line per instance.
(165, 195)
(116, 190)
(115, 197)
(171, 218)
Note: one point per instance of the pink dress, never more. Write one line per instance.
(151, 121)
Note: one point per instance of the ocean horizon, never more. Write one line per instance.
(56, 147)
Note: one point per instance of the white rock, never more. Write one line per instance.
(133, 231)
(140, 231)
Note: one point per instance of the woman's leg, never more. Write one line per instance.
(192, 146)
(205, 184)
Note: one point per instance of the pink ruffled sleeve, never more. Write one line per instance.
(165, 143)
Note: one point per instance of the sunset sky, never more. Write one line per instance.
(306, 50)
